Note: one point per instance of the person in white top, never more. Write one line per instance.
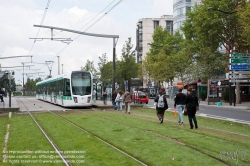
(119, 99)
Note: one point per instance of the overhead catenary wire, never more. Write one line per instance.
(109, 10)
(41, 23)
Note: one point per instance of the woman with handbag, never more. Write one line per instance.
(192, 106)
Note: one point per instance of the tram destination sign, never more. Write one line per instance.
(239, 60)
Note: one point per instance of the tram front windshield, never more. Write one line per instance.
(81, 83)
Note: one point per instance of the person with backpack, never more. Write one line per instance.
(192, 105)
(161, 105)
(127, 100)
(180, 103)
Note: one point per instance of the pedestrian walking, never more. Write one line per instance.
(127, 100)
(180, 104)
(2, 93)
(119, 100)
(104, 95)
(114, 94)
(161, 105)
(192, 106)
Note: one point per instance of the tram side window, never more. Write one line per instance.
(67, 88)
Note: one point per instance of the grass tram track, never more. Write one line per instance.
(155, 134)
(53, 144)
(118, 121)
(82, 129)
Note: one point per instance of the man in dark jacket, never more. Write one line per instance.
(192, 106)
(161, 108)
(180, 103)
(1, 94)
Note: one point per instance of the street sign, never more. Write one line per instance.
(239, 80)
(238, 55)
(239, 67)
(239, 76)
(239, 72)
(239, 60)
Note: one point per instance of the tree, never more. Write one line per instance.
(30, 85)
(89, 66)
(159, 67)
(105, 69)
(128, 67)
(244, 19)
(207, 31)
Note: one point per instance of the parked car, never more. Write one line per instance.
(140, 97)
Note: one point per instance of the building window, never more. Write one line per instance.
(188, 0)
(169, 26)
(188, 8)
(140, 37)
(156, 24)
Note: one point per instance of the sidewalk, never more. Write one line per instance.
(243, 105)
(99, 104)
(6, 105)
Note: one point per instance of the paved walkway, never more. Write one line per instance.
(98, 103)
(9, 105)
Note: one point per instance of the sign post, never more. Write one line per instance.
(239, 70)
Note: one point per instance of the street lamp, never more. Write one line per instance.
(229, 43)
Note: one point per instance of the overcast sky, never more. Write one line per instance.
(19, 16)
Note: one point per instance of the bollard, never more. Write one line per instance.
(10, 113)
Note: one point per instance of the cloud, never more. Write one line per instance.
(16, 27)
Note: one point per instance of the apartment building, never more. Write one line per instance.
(145, 30)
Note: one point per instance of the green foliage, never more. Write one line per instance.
(105, 68)
(168, 57)
(207, 30)
(30, 86)
(244, 19)
(89, 66)
(129, 67)
(225, 95)
(17, 93)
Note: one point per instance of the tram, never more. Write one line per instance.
(71, 89)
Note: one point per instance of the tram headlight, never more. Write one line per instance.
(75, 100)
(89, 98)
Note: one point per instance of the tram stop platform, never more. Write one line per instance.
(100, 104)
(13, 106)
(10, 105)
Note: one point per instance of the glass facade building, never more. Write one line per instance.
(179, 11)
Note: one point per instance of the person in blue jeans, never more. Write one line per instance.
(179, 103)
(119, 99)
(114, 94)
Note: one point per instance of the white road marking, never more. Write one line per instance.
(214, 117)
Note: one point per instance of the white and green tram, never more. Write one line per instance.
(71, 89)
